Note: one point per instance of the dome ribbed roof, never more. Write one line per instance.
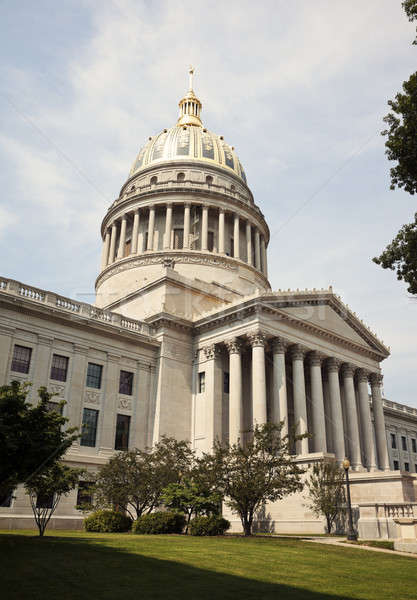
(188, 143)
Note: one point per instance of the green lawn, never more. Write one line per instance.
(68, 565)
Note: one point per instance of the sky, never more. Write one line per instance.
(299, 88)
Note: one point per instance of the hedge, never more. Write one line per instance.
(159, 522)
(213, 525)
(107, 521)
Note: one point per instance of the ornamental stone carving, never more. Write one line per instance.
(211, 351)
(57, 389)
(362, 375)
(376, 379)
(297, 352)
(315, 359)
(125, 403)
(279, 346)
(257, 340)
(332, 365)
(92, 397)
(348, 370)
(233, 346)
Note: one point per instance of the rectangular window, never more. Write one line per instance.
(45, 501)
(404, 442)
(84, 496)
(59, 367)
(407, 466)
(396, 465)
(201, 382)
(178, 239)
(89, 427)
(126, 383)
(6, 499)
(210, 241)
(393, 440)
(414, 445)
(94, 373)
(128, 247)
(226, 382)
(21, 359)
(122, 432)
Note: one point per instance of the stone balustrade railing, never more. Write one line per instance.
(15, 288)
(400, 407)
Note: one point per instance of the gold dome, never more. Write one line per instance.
(187, 141)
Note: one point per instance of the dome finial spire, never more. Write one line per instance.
(190, 105)
(191, 75)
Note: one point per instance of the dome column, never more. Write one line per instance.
(168, 227)
(151, 227)
(257, 250)
(221, 231)
(105, 253)
(236, 237)
(135, 231)
(113, 243)
(204, 228)
(249, 243)
(263, 255)
(122, 241)
(186, 240)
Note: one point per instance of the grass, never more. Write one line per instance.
(385, 544)
(74, 565)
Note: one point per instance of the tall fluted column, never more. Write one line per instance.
(317, 404)
(263, 255)
(257, 250)
(235, 391)
(204, 228)
(365, 413)
(105, 252)
(186, 241)
(379, 421)
(299, 395)
(213, 395)
(236, 237)
(259, 415)
(135, 232)
(112, 251)
(352, 417)
(122, 241)
(151, 226)
(249, 242)
(336, 408)
(168, 227)
(221, 231)
(279, 393)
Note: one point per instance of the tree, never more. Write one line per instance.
(326, 491)
(134, 480)
(262, 470)
(191, 497)
(46, 488)
(401, 255)
(401, 146)
(31, 437)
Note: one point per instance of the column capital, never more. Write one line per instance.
(333, 365)
(348, 370)
(376, 379)
(233, 346)
(257, 339)
(211, 351)
(187, 204)
(279, 346)
(315, 359)
(297, 352)
(362, 375)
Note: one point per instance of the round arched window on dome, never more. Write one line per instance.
(232, 187)
(180, 177)
(209, 179)
(154, 180)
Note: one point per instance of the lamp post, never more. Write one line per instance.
(351, 533)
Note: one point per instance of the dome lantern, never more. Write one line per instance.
(190, 106)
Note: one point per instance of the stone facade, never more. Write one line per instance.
(187, 339)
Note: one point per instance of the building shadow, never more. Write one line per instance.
(85, 569)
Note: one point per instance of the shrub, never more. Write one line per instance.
(160, 522)
(107, 521)
(213, 525)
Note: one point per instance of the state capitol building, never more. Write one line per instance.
(186, 338)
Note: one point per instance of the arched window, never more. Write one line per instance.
(132, 189)
(180, 177)
(232, 187)
(154, 179)
(209, 179)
